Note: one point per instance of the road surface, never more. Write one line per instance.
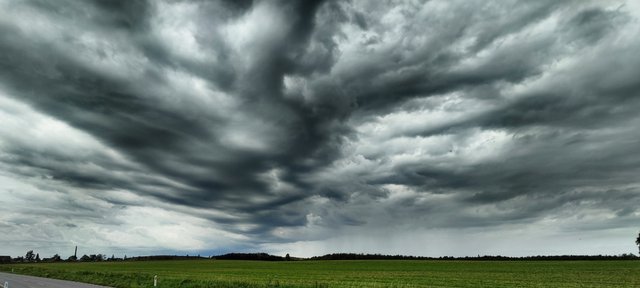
(22, 281)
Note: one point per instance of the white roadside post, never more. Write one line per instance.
(6, 284)
(155, 281)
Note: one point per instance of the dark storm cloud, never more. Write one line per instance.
(558, 147)
(174, 144)
(266, 111)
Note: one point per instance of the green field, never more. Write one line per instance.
(357, 273)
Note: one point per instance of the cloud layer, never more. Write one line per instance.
(319, 126)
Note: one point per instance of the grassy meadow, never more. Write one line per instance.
(344, 273)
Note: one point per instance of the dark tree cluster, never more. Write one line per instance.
(250, 256)
(32, 257)
(29, 257)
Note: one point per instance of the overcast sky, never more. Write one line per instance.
(308, 127)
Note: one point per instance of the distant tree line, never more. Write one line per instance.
(354, 256)
(250, 256)
(164, 257)
(31, 257)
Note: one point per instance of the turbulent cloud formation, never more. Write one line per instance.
(413, 127)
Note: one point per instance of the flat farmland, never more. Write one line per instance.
(343, 273)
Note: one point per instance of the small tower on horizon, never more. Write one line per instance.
(75, 253)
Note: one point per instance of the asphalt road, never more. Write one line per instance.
(22, 281)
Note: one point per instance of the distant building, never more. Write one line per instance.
(5, 259)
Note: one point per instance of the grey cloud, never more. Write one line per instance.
(160, 140)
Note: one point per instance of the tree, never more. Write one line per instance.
(638, 241)
(38, 257)
(55, 258)
(287, 257)
(85, 258)
(29, 257)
